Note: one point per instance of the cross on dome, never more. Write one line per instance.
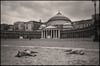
(59, 13)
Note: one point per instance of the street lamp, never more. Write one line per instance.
(94, 1)
(95, 22)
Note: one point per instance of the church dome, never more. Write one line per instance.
(58, 19)
(59, 16)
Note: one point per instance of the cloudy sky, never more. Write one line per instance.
(12, 11)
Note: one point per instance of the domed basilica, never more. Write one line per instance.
(51, 29)
(58, 22)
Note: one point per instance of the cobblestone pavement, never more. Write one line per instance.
(47, 56)
(50, 52)
(73, 43)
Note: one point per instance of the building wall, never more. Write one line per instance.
(64, 34)
(17, 34)
(11, 27)
(58, 22)
(19, 26)
(82, 23)
(97, 25)
(4, 27)
(29, 26)
(37, 25)
(79, 33)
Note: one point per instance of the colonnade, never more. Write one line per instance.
(77, 34)
(50, 34)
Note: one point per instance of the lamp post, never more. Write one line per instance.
(95, 22)
(94, 1)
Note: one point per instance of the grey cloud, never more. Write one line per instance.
(12, 11)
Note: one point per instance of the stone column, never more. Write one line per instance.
(59, 34)
(46, 33)
(82, 35)
(51, 33)
(56, 33)
(41, 34)
(73, 35)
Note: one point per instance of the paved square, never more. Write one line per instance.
(47, 55)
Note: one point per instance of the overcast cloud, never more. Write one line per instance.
(12, 11)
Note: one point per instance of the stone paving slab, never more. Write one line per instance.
(48, 56)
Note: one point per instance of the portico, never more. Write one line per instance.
(50, 33)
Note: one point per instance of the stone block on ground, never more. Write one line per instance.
(26, 52)
(72, 51)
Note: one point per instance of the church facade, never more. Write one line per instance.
(52, 28)
(59, 23)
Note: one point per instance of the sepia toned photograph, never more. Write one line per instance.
(50, 32)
